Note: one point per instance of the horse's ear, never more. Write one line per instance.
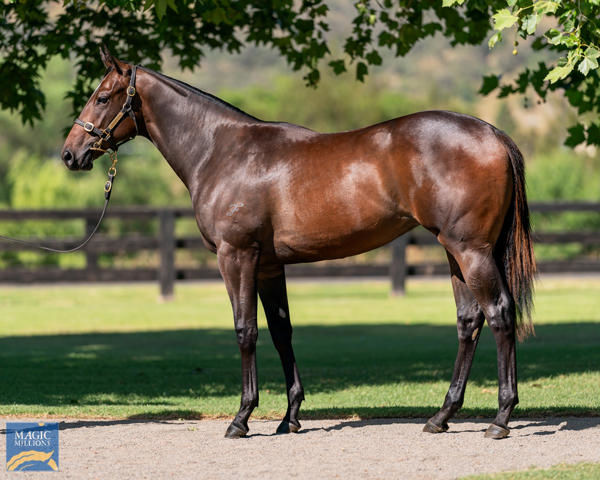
(109, 61)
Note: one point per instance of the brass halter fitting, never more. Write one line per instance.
(112, 172)
(98, 147)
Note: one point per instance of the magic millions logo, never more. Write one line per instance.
(31, 446)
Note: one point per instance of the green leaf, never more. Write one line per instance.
(161, 8)
(504, 19)
(511, 3)
(490, 82)
(450, 3)
(361, 71)
(553, 36)
(338, 66)
(593, 134)
(570, 40)
(545, 6)
(530, 23)
(590, 60)
(592, 52)
(494, 39)
(172, 5)
(575, 97)
(576, 135)
(559, 72)
(373, 58)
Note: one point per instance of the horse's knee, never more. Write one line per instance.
(247, 336)
(469, 321)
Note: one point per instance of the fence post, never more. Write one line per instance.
(398, 265)
(166, 272)
(91, 258)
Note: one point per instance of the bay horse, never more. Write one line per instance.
(267, 194)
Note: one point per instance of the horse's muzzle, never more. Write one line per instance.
(69, 159)
(72, 163)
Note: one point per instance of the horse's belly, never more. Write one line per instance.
(340, 208)
(333, 239)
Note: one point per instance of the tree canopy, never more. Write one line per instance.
(33, 31)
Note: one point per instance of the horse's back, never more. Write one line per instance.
(343, 193)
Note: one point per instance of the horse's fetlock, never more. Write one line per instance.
(454, 399)
(249, 400)
(296, 394)
(507, 399)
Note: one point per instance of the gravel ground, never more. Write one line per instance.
(349, 449)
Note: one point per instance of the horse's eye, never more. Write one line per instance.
(102, 100)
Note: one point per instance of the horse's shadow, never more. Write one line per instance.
(456, 426)
(561, 424)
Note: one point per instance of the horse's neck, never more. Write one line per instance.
(182, 124)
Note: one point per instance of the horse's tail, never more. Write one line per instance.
(514, 249)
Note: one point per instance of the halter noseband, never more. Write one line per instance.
(105, 135)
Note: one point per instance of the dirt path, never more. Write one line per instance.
(348, 449)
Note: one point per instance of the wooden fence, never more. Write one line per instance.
(166, 243)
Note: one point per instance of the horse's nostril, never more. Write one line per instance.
(67, 156)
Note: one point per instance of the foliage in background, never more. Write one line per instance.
(33, 31)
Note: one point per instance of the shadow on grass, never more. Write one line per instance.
(150, 367)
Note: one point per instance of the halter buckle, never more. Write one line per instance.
(131, 91)
(88, 127)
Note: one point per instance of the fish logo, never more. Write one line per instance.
(31, 446)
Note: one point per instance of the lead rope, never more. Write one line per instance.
(108, 187)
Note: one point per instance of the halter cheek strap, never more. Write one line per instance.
(105, 135)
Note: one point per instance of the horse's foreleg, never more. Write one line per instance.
(469, 322)
(238, 268)
(273, 295)
(489, 288)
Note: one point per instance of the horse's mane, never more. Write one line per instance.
(185, 89)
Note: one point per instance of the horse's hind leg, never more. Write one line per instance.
(273, 295)
(483, 278)
(469, 320)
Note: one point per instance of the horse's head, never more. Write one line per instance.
(107, 119)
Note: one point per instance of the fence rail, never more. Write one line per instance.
(166, 243)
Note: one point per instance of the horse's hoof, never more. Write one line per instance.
(496, 432)
(235, 431)
(288, 427)
(431, 427)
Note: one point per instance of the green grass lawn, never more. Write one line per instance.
(578, 471)
(116, 351)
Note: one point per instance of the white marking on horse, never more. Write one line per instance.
(281, 312)
(383, 139)
(233, 208)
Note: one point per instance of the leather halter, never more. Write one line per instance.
(105, 135)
